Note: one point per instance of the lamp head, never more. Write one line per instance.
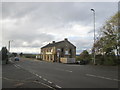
(92, 10)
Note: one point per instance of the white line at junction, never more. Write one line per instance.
(63, 70)
(102, 77)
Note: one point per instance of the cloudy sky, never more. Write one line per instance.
(32, 25)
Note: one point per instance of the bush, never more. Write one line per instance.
(29, 56)
(110, 60)
(78, 58)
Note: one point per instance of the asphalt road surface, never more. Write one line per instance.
(30, 73)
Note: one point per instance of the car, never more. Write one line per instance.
(77, 62)
(82, 62)
(17, 59)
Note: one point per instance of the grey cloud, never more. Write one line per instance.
(59, 12)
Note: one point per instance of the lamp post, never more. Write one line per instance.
(94, 33)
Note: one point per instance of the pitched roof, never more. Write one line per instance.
(55, 44)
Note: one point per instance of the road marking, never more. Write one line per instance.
(40, 76)
(72, 65)
(68, 70)
(11, 61)
(17, 66)
(102, 77)
(58, 86)
(44, 84)
(63, 70)
(44, 79)
(49, 82)
(36, 74)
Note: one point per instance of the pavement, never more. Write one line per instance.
(31, 73)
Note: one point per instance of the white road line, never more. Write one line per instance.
(32, 72)
(36, 74)
(68, 70)
(40, 76)
(58, 86)
(17, 66)
(44, 79)
(11, 61)
(44, 84)
(102, 77)
(49, 82)
(63, 70)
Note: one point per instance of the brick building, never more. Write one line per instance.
(58, 51)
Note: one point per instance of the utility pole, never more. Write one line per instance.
(9, 42)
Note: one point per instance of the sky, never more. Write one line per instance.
(31, 25)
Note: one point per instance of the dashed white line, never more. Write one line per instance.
(102, 77)
(17, 66)
(36, 74)
(40, 76)
(49, 82)
(58, 86)
(44, 79)
(44, 84)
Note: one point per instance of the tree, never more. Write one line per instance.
(21, 54)
(14, 54)
(109, 43)
(85, 55)
(4, 52)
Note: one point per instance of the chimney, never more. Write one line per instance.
(53, 41)
(66, 39)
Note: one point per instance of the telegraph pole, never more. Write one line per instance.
(9, 42)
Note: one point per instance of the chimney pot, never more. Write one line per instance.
(53, 42)
(66, 39)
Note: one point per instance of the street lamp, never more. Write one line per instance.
(94, 31)
(9, 44)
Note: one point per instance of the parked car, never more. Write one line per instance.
(17, 59)
(82, 62)
(77, 62)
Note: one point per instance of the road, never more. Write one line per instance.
(60, 75)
